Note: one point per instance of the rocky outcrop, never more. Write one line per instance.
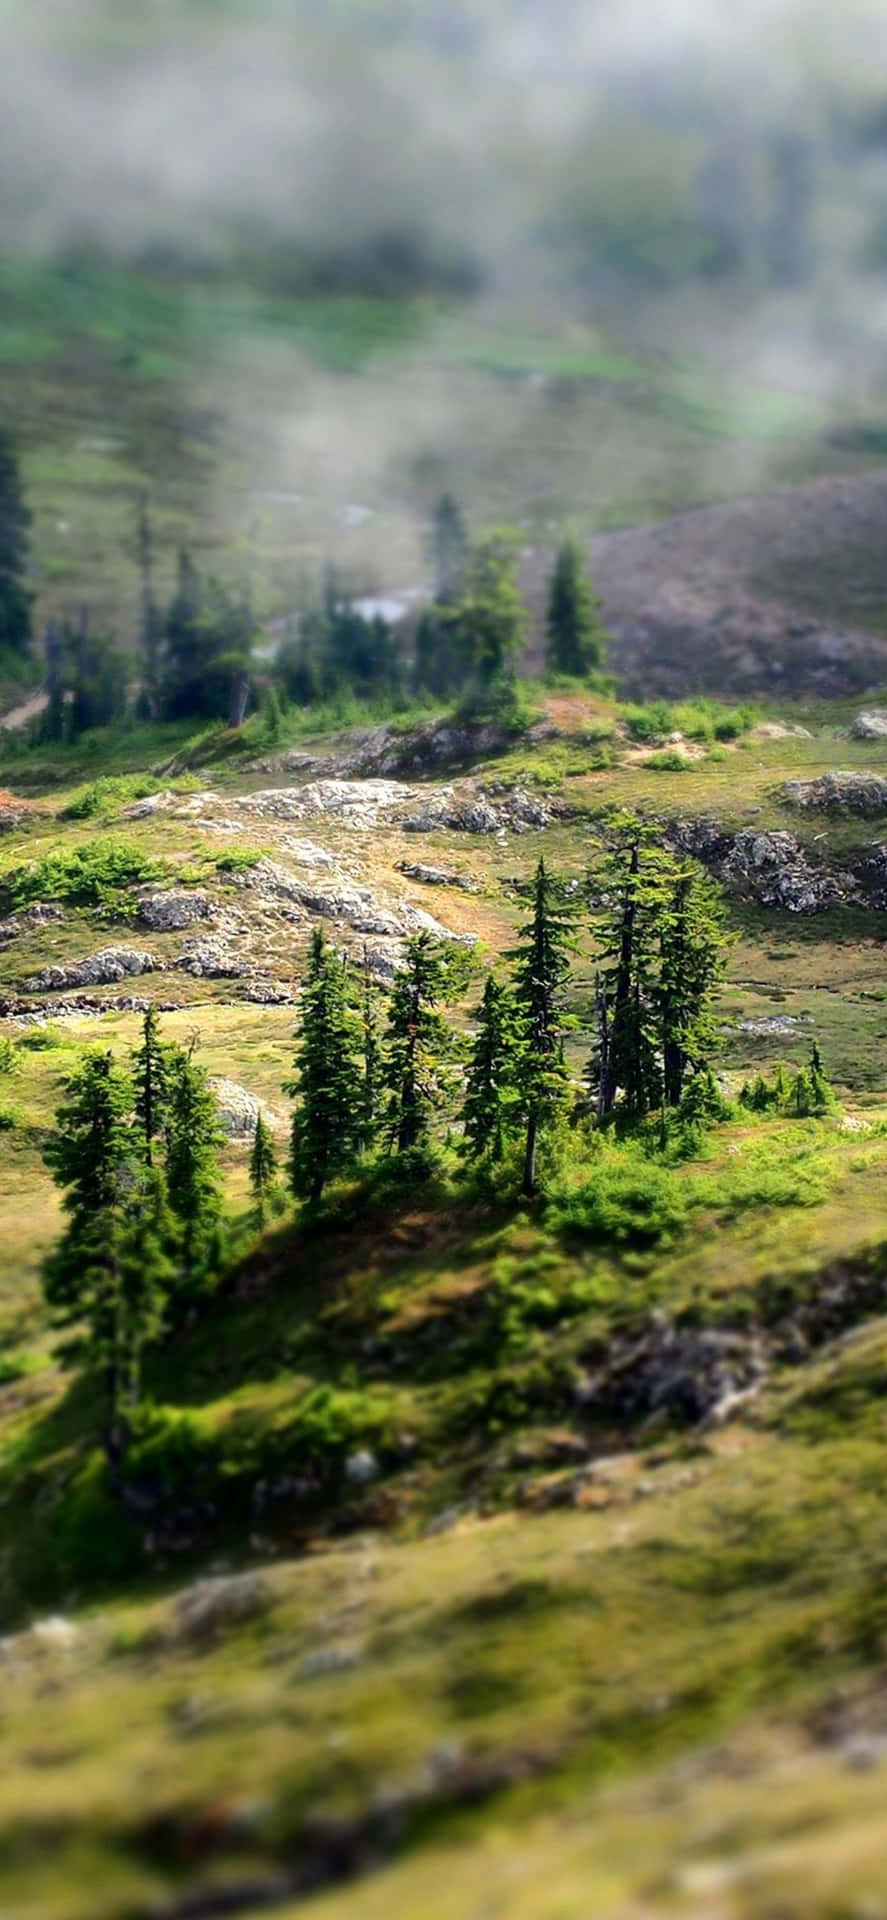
(870, 726)
(860, 793)
(173, 910)
(358, 803)
(482, 811)
(682, 1374)
(769, 868)
(109, 964)
(337, 898)
(211, 959)
(150, 804)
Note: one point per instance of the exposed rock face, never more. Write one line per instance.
(170, 912)
(211, 959)
(111, 963)
(769, 868)
(682, 1373)
(870, 726)
(863, 793)
(359, 803)
(476, 812)
(336, 898)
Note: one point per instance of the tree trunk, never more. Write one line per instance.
(239, 701)
(529, 1186)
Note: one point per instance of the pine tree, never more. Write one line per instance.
(329, 1083)
(576, 638)
(691, 966)
(821, 1090)
(488, 1113)
(372, 1059)
(94, 1159)
(150, 621)
(492, 620)
(542, 968)
(151, 1077)
(262, 1167)
(448, 549)
(15, 598)
(416, 1045)
(801, 1095)
(194, 1179)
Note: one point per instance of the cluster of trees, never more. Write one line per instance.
(661, 944)
(803, 1093)
(197, 652)
(136, 1153)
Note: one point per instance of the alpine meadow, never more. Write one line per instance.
(443, 1000)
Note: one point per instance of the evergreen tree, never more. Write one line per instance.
(801, 1095)
(491, 1096)
(492, 619)
(262, 1167)
(94, 1159)
(193, 1175)
(15, 598)
(372, 1059)
(542, 968)
(576, 638)
(821, 1090)
(448, 551)
(150, 619)
(151, 1078)
(54, 724)
(329, 1085)
(691, 966)
(417, 1043)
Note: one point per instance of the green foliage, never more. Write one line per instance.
(671, 760)
(10, 1061)
(193, 1174)
(262, 1168)
(329, 1122)
(490, 1107)
(416, 1044)
(492, 621)
(541, 971)
(95, 874)
(624, 1200)
(648, 724)
(106, 793)
(238, 860)
(577, 640)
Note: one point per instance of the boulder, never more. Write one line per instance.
(870, 726)
(767, 867)
(862, 793)
(209, 1608)
(150, 804)
(238, 1108)
(435, 876)
(210, 959)
(110, 963)
(173, 910)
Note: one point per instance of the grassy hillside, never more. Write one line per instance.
(557, 1527)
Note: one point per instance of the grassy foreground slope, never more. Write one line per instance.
(523, 1625)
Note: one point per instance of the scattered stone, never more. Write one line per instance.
(55, 1631)
(777, 1024)
(210, 1607)
(359, 803)
(43, 913)
(863, 793)
(769, 868)
(109, 964)
(870, 726)
(170, 912)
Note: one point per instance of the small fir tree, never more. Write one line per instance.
(329, 1084)
(151, 1081)
(576, 637)
(262, 1168)
(491, 1095)
(193, 1174)
(542, 968)
(15, 520)
(417, 1043)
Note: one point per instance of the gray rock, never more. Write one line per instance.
(238, 1108)
(435, 876)
(862, 793)
(324, 1660)
(211, 959)
(361, 1467)
(770, 868)
(206, 1610)
(152, 803)
(109, 964)
(170, 912)
(43, 913)
(870, 726)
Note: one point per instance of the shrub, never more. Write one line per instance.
(623, 1201)
(671, 761)
(9, 1060)
(92, 875)
(109, 790)
(238, 860)
(649, 723)
(43, 1038)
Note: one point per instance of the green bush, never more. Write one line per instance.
(623, 1201)
(110, 790)
(44, 1038)
(95, 874)
(9, 1060)
(650, 723)
(9, 1119)
(238, 860)
(671, 761)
